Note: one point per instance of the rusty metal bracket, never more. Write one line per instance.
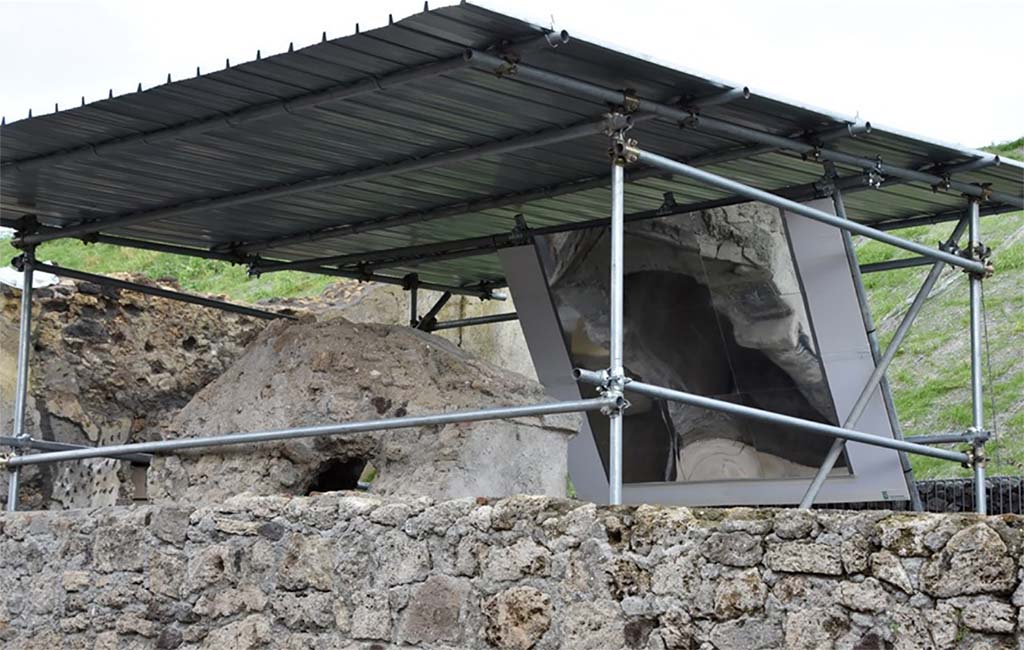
(623, 149)
(630, 100)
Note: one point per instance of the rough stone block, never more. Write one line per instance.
(798, 557)
(866, 596)
(733, 549)
(990, 616)
(974, 561)
(888, 568)
(742, 593)
(435, 611)
(306, 562)
(517, 618)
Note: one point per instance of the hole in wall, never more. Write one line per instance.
(337, 474)
(139, 491)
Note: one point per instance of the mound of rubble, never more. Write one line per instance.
(299, 374)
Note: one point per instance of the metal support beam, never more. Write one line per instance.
(28, 263)
(372, 260)
(880, 369)
(158, 247)
(414, 299)
(177, 444)
(338, 230)
(977, 394)
(739, 410)
(942, 438)
(479, 291)
(528, 74)
(797, 208)
(470, 322)
(891, 265)
(724, 97)
(430, 318)
(616, 371)
(981, 162)
(50, 445)
(326, 181)
(161, 293)
(939, 217)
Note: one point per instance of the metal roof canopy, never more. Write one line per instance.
(413, 148)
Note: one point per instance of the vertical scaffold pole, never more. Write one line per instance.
(977, 397)
(615, 320)
(21, 382)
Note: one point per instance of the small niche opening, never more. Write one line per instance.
(337, 474)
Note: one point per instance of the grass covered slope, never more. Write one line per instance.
(929, 376)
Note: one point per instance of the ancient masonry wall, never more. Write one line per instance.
(347, 571)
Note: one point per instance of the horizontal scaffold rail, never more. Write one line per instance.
(454, 249)
(818, 428)
(165, 446)
(482, 291)
(470, 322)
(489, 63)
(801, 209)
(160, 293)
(50, 445)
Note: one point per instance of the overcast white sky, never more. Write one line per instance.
(947, 69)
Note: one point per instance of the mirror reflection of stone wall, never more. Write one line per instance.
(713, 306)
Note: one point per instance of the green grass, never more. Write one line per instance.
(1012, 149)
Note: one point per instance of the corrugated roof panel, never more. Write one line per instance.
(459, 109)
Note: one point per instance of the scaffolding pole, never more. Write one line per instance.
(476, 320)
(739, 410)
(319, 431)
(892, 265)
(977, 397)
(942, 438)
(167, 294)
(797, 208)
(27, 442)
(414, 299)
(616, 373)
(21, 379)
(682, 116)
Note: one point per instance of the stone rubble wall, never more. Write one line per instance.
(107, 367)
(347, 571)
